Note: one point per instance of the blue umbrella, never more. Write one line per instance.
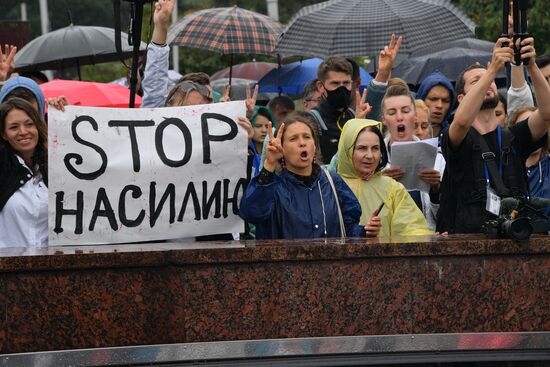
(291, 78)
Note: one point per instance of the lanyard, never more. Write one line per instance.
(486, 170)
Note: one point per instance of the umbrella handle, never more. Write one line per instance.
(135, 35)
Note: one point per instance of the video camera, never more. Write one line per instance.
(519, 218)
(519, 16)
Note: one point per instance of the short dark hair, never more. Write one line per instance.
(459, 87)
(283, 100)
(23, 93)
(398, 90)
(355, 70)
(37, 76)
(309, 89)
(334, 63)
(543, 60)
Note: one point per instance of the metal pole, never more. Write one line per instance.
(175, 49)
(273, 8)
(24, 11)
(136, 42)
(44, 17)
(45, 25)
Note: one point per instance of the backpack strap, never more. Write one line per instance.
(319, 120)
(340, 217)
(488, 157)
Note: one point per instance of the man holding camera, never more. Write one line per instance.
(486, 162)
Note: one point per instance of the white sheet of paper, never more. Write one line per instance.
(413, 157)
(180, 172)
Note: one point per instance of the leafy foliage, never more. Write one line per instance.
(487, 14)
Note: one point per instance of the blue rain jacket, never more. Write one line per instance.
(287, 208)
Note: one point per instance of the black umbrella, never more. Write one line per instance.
(364, 27)
(71, 46)
(450, 59)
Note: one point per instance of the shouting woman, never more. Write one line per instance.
(304, 200)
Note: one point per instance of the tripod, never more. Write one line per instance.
(134, 39)
(519, 16)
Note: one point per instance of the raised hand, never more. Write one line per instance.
(7, 61)
(245, 123)
(527, 49)
(362, 108)
(226, 96)
(501, 55)
(251, 99)
(161, 20)
(387, 57)
(274, 149)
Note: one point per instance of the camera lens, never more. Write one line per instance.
(518, 229)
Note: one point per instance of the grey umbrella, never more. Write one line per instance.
(450, 59)
(69, 47)
(364, 27)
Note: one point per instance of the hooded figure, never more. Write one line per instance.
(255, 146)
(400, 215)
(432, 80)
(21, 82)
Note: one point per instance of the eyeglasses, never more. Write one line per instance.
(187, 86)
(312, 100)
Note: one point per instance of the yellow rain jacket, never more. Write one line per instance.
(400, 216)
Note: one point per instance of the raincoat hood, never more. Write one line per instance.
(437, 78)
(349, 135)
(400, 215)
(22, 82)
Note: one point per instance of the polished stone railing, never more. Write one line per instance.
(163, 293)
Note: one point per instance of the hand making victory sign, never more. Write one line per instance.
(274, 150)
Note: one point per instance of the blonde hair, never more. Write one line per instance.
(422, 105)
(397, 81)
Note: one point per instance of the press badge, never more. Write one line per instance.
(493, 202)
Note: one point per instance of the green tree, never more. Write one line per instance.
(487, 14)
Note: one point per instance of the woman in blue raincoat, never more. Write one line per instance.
(304, 200)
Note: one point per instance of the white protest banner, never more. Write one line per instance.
(128, 175)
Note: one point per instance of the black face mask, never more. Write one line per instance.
(339, 98)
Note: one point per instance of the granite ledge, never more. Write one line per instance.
(194, 253)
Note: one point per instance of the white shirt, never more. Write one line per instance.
(24, 218)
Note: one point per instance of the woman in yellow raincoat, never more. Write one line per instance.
(361, 156)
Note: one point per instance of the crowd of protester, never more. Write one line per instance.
(326, 171)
